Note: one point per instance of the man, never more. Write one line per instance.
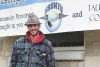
(33, 50)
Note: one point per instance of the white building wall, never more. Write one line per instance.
(92, 44)
(5, 51)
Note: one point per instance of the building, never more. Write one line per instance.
(75, 37)
(86, 55)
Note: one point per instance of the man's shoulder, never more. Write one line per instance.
(19, 42)
(47, 42)
(21, 39)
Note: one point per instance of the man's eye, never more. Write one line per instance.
(32, 25)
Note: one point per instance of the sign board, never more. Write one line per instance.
(56, 16)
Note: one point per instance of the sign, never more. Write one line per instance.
(56, 16)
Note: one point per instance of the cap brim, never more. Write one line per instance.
(32, 23)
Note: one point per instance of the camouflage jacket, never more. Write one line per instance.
(26, 54)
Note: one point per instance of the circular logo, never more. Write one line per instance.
(53, 22)
(53, 13)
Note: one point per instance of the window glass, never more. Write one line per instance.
(67, 39)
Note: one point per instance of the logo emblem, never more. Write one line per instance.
(53, 16)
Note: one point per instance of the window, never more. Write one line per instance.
(67, 39)
(68, 45)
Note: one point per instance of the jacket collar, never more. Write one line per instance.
(39, 38)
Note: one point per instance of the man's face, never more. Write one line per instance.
(33, 28)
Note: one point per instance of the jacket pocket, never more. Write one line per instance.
(22, 55)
